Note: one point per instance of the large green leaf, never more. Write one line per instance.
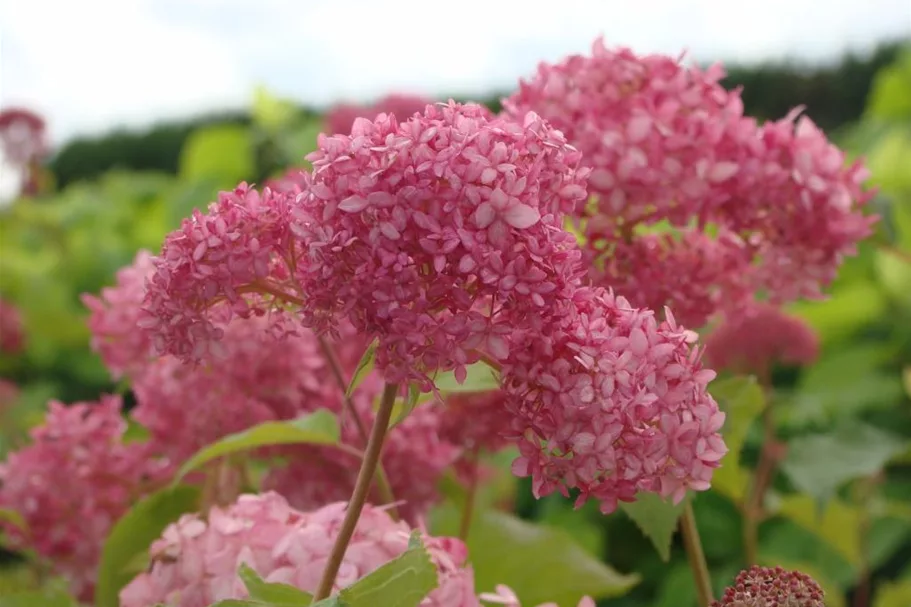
(819, 464)
(317, 428)
(656, 518)
(845, 312)
(270, 112)
(479, 378)
(402, 582)
(222, 152)
(275, 595)
(133, 534)
(540, 563)
(741, 399)
(39, 598)
(583, 525)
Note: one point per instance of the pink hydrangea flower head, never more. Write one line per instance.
(195, 562)
(505, 596)
(415, 456)
(340, 118)
(420, 231)
(751, 342)
(240, 246)
(114, 319)
(72, 484)
(12, 335)
(610, 401)
(476, 420)
(22, 135)
(772, 587)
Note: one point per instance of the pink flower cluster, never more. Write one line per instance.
(12, 336)
(755, 209)
(340, 118)
(72, 484)
(759, 337)
(608, 401)
(195, 562)
(421, 232)
(772, 587)
(506, 597)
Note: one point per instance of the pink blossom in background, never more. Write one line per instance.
(419, 232)
(195, 562)
(12, 335)
(340, 118)
(610, 401)
(114, 319)
(506, 597)
(72, 484)
(758, 338)
(22, 135)
(772, 587)
(670, 149)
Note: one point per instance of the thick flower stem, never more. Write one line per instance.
(695, 556)
(765, 472)
(470, 497)
(382, 481)
(361, 489)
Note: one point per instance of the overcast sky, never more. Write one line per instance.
(91, 65)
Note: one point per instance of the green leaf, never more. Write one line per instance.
(8, 515)
(402, 582)
(39, 598)
(895, 275)
(276, 595)
(271, 112)
(539, 563)
(656, 518)
(583, 525)
(837, 524)
(893, 594)
(819, 464)
(222, 152)
(741, 399)
(414, 397)
(479, 378)
(848, 310)
(317, 428)
(133, 534)
(364, 366)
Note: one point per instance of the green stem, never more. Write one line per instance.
(695, 556)
(359, 496)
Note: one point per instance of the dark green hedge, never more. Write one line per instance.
(834, 96)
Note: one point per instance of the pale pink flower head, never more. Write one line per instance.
(759, 337)
(22, 135)
(420, 231)
(415, 457)
(195, 562)
(241, 246)
(610, 401)
(114, 319)
(340, 118)
(72, 484)
(772, 587)
(505, 596)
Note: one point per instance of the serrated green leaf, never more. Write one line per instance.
(479, 377)
(403, 582)
(364, 366)
(741, 399)
(270, 593)
(317, 428)
(819, 464)
(539, 563)
(656, 518)
(133, 534)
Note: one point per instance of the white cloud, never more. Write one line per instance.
(92, 64)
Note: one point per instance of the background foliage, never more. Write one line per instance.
(841, 499)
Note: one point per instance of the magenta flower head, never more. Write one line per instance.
(772, 587)
(195, 562)
(72, 484)
(340, 118)
(761, 336)
(12, 335)
(609, 401)
(423, 232)
(742, 209)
